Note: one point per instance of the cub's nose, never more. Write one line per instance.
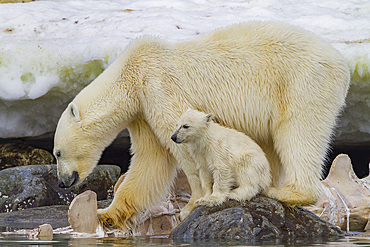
(174, 137)
(68, 181)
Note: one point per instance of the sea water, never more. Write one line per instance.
(8, 238)
(67, 240)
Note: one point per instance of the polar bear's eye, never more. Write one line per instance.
(57, 154)
(185, 126)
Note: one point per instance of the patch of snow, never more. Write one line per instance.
(51, 49)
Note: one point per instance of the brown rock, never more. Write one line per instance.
(42, 232)
(18, 154)
(45, 230)
(82, 213)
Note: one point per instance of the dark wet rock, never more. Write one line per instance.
(56, 216)
(261, 219)
(37, 185)
(18, 154)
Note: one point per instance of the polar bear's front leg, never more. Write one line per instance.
(147, 181)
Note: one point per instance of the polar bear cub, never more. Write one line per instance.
(230, 164)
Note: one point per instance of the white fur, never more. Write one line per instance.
(277, 83)
(224, 157)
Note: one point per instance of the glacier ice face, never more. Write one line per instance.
(354, 124)
(37, 85)
(50, 50)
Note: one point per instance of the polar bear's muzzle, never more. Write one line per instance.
(175, 139)
(66, 181)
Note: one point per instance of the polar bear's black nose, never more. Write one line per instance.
(61, 184)
(68, 181)
(174, 137)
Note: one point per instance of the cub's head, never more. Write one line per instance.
(77, 147)
(191, 125)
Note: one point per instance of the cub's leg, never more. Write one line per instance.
(206, 179)
(253, 175)
(222, 181)
(189, 167)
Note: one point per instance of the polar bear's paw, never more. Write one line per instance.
(293, 195)
(241, 194)
(105, 220)
(114, 219)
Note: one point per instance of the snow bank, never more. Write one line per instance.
(50, 50)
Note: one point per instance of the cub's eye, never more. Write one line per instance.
(57, 154)
(185, 126)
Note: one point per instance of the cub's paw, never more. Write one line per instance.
(235, 196)
(185, 211)
(213, 200)
(183, 214)
(240, 194)
(216, 201)
(202, 201)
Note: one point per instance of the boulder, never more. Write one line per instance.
(37, 185)
(42, 232)
(32, 217)
(261, 219)
(18, 154)
(82, 213)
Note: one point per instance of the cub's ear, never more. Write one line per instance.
(74, 114)
(209, 118)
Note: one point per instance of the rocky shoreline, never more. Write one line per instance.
(30, 196)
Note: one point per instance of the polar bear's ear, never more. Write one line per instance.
(74, 114)
(209, 118)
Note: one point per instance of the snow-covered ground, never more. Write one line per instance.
(49, 50)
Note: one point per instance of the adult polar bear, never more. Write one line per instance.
(277, 83)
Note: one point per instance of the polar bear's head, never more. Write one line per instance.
(70, 148)
(79, 141)
(191, 125)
